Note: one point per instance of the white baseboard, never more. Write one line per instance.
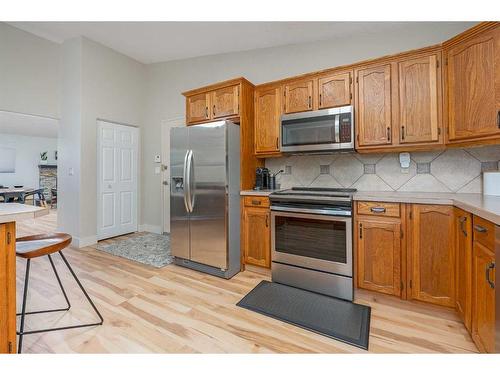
(150, 228)
(84, 241)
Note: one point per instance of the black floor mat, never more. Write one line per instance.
(341, 320)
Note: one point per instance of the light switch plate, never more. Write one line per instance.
(157, 170)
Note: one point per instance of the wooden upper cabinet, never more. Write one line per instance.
(473, 81)
(298, 96)
(374, 117)
(379, 255)
(419, 99)
(267, 119)
(197, 107)
(225, 102)
(432, 254)
(257, 236)
(463, 248)
(483, 304)
(334, 90)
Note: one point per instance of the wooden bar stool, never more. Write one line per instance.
(36, 246)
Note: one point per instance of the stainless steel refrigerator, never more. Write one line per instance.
(204, 197)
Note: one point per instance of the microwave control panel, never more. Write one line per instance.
(345, 128)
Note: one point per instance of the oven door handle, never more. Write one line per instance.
(342, 213)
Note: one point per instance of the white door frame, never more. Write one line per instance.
(136, 129)
(166, 125)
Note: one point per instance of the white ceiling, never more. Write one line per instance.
(29, 125)
(151, 42)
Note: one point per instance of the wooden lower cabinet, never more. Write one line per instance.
(7, 288)
(379, 254)
(431, 254)
(256, 235)
(463, 249)
(483, 288)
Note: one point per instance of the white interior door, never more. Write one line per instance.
(117, 150)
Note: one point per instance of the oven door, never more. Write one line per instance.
(318, 242)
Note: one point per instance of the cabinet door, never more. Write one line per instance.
(419, 99)
(334, 90)
(267, 120)
(225, 102)
(197, 108)
(483, 310)
(473, 80)
(374, 117)
(432, 275)
(298, 96)
(379, 255)
(463, 245)
(257, 236)
(7, 288)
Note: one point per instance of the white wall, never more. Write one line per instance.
(29, 73)
(166, 81)
(100, 84)
(28, 151)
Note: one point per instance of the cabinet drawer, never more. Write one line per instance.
(484, 232)
(378, 209)
(256, 201)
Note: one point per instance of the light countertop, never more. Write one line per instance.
(15, 211)
(485, 206)
(259, 193)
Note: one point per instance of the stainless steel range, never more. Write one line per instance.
(311, 240)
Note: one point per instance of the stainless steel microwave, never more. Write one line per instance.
(323, 130)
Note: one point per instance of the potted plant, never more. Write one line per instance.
(43, 157)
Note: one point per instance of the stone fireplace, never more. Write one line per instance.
(47, 179)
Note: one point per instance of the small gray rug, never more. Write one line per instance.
(148, 248)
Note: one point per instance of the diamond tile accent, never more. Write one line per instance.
(455, 168)
(489, 166)
(369, 168)
(346, 169)
(475, 186)
(389, 169)
(324, 169)
(423, 168)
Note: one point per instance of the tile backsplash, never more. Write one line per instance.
(452, 170)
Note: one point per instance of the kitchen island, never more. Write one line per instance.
(9, 214)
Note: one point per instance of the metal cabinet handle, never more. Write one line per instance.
(388, 133)
(310, 102)
(360, 230)
(378, 210)
(206, 112)
(267, 221)
(480, 229)
(403, 133)
(213, 110)
(462, 220)
(256, 202)
(489, 267)
(498, 119)
(320, 101)
(277, 143)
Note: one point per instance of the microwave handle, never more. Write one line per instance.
(337, 128)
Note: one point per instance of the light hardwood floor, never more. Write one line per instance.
(176, 310)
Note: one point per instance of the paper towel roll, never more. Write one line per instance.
(491, 183)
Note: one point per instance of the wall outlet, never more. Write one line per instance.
(157, 158)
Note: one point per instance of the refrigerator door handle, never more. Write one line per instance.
(185, 178)
(192, 189)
